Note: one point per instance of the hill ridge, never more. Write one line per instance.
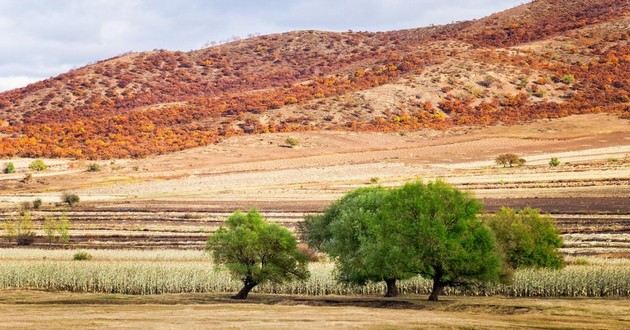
(153, 102)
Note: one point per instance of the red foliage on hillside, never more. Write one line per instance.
(146, 103)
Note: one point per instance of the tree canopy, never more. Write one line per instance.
(526, 238)
(255, 251)
(439, 223)
(365, 245)
(378, 234)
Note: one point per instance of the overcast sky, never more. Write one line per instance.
(42, 38)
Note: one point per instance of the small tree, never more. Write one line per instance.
(37, 203)
(38, 165)
(526, 238)
(9, 168)
(509, 160)
(554, 162)
(70, 199)
(63, 229)
(21, 229)
(50, 229)
(256, 251)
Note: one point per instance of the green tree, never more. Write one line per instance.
(554, 162)
(38, 165)
(21, 229)
(526, 238)
(439, 224)
(365, 245)
(63, 229)
(378, 234)
(50, 229)
(9, 168)
(256, 251)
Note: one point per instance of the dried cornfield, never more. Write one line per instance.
(596, 279)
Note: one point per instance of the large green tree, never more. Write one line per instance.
(439, 224)
(256, 251)
(378, 234)
(365, 246)
(526, 238)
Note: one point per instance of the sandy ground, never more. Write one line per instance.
(35, 310)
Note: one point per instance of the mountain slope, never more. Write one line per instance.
(545, 59)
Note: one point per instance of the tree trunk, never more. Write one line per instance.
(438, 287)
(392, 290)
(247, 287)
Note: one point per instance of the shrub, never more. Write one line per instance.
(94, 167)
(256, 251)
(526, 238)
(375, 180)
(522, 83)
(28, 178)
(292, 142)
(37, 203)
(487, 81)
(554, 162)
(70, 199)
(509, 160)
(38, 165)
(568, 79)
(539, 93)
(9, 168)
(21, 230)
(25, 206)
(82, 255)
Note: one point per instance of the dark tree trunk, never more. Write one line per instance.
(438, 287)
(391, 290)
(247, 287)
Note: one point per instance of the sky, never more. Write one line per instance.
(43, 38)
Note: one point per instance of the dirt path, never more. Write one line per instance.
(35, 310)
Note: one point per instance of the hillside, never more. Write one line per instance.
(545, 59)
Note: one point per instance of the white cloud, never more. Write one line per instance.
(11, 82)
(45, 38)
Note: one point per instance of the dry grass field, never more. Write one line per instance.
(170, 203)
